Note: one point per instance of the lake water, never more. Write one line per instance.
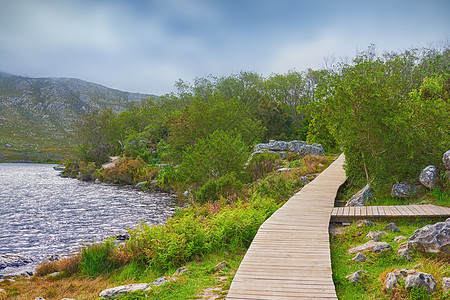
(42, 213)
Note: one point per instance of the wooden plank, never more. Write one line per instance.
(289, 257)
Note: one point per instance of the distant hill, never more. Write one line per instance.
(36, 114)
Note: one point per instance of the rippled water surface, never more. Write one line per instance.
(43, 214)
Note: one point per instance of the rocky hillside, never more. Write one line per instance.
(36, 114)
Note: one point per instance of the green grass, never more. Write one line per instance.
(372, 286)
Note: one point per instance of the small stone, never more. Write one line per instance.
(283, 170)
(357, 276)
(392, 227)
(446, 160)
(39, 298)
(67, 299)
(160, 281)
(362, 223)
(186, 193)
(400, 238)
(124, 289)
(403, 190)
(304, 179)
(54, 274)
(220, 266)
(375, 235)
(180, 271)
(404, 251)
(141, 185)
(446, 283)
(428, 176)
(360, 257)
(371, 246)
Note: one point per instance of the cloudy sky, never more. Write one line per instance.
(147, 45)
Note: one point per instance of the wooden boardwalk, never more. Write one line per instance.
(289, 257)
(348, 214)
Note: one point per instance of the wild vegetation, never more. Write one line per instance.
(388, 113)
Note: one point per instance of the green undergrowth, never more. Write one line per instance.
(372, 286)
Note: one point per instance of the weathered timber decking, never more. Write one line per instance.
(289, 257)
(347, 214)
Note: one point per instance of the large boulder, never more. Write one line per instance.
(412, 278)
(432, 238)
(403, 190)
(446, 160)
(428, 176)
(281, 147)
(361, 197)
(371, 246)
(124, 289)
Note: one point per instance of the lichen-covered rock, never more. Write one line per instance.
(220, 266)
(180, 271)
(299, 147)
(404, 251)
(403, 190)
(391, 227)
(362, 223)
(375, 235)
(13, 260)
(446, 284)
(360, 257)
(161, 281)
(361, 197)
(432, 238)
(357, 276)
(400, 238)
(412, 278)
(446, 160)
(371, 246)
(123, 289)
(428, 176)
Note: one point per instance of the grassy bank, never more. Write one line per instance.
(378, 265)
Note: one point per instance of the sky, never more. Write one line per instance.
(147, 45)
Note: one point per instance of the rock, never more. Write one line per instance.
(122, 237)
(300, 147)
(360, 257)
(392, 227)
(54, 274)
(446, 160)
(141, 185)
(412, 279)
(400, 238)
(282, 155)
(27, 273)
(361, 197)
(67, 299)
(357, 276)
(124, 289)
(161, 281)
(304, 180)
(403, 190)
(404, 251)
(375, 235)
(283, 170)
(362, 223)
(446, 283)
(220, 266)
(13, 260)
(428, 176)
(180, 271)
(39, 298)
(371, 246)
(186, 193)
(432, 238)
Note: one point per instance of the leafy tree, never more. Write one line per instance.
(213, 157)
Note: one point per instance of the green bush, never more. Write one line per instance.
(211, 158)
(227, 186)
(127, 171)
(262, 164)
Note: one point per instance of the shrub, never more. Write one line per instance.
(262, 164)
(127, 171)
(211, 158)
(227, 186)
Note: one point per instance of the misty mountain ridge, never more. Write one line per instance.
(38, 113)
